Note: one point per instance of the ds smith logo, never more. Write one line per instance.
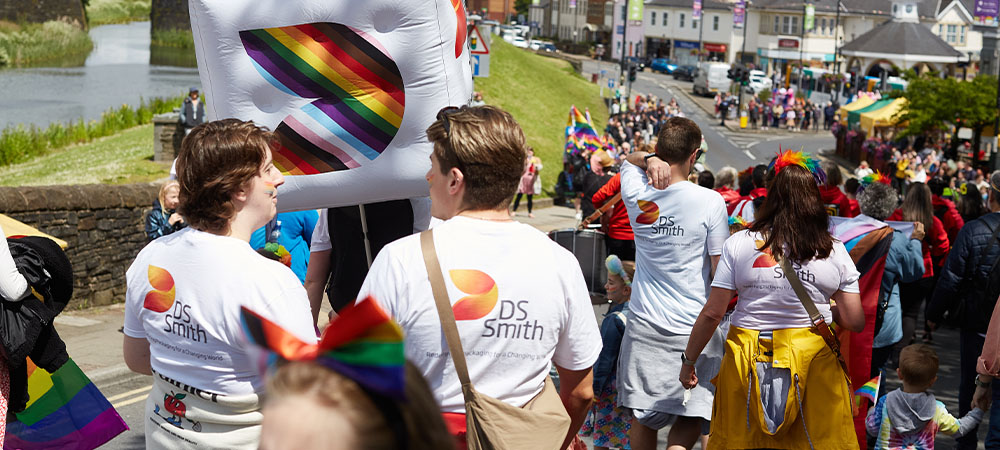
(161, 298)
(513, 320)
(650, 212)
(661, 225)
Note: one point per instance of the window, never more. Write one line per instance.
(795, 25)
(682, 20)
(777, 24)
(786, 25)
(652, 18)
(715, 23)
(665, 18)
(961, 37)
(941, 31)
(694, 22)
(822, 27)
(952, 34)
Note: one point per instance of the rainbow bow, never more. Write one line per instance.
(800, 158)
(738, 220)
(362, 344)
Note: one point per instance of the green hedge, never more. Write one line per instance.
(50, 43)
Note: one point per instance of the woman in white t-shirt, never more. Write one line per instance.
(780, 385)
(185, 290)
(519, 299)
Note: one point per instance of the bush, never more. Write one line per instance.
(34, 44)
(23, 142)
(102, 12)
(173, 38)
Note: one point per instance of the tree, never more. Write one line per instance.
(521, 6)
(936, 105)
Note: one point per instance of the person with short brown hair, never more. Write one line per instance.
(520, 299)
(185, 290)
(910, 413)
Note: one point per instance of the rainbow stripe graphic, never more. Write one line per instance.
(65, 410)
(358, 86)
(869, 390)
(362, 344)
(580, 133)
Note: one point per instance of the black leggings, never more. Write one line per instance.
(517, 201)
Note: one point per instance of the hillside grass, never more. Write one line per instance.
(125, 157)
(53, 43)
(103, 12)
(538, 91)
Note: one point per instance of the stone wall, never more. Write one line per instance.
(169, 15)
(103, 225)
(167, 136)
(37, 11)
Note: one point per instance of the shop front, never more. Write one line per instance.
(716, 52)
(686, 53)
(658, 48)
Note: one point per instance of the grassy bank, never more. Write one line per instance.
(103, 12)
(173, 38)
(50, 43)
(125, 157)
(22, 143)
(538, 91)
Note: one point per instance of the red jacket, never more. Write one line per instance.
(935, 244)
(619, 226)
(832, 195)
(730, 196)
(855, 208)
(944, 209)
(731, 208)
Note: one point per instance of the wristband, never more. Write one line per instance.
(690, 362)
(981, 384)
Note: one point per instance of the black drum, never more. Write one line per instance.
(588, 247)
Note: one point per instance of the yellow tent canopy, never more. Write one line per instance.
(861, 102)
(13, 227)
(882, 117)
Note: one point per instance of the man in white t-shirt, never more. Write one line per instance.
(679, 231)
(520, 300)
(185, 291)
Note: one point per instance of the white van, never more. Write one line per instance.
(711, 78)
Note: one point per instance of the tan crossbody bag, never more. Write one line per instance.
(493, 424)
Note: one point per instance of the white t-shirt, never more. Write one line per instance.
(767, 301)
(520, 303)
(676, 230)
(184, 296)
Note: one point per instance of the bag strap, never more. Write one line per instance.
(445, 312)
(800, 291)
(608, 204)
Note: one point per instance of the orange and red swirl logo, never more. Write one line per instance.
(161, 298)
(482, 292)
(765, 259)
(650, 212)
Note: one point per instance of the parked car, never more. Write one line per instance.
(711, 78)
(662, 65)
(519, 42)
(640, 63)
(686, 73)
(758, 81)
(549, 47)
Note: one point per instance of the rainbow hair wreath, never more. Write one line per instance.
(800, 158)
(868, 180)
(615, 267)
(738, 220)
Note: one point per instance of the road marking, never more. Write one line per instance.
(129, 393)
(749, 155)
(130, 401)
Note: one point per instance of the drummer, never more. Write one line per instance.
(679, 231)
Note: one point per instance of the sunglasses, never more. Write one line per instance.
(443, 114)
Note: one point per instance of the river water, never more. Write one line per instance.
(117, 72)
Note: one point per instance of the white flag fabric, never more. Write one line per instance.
(349, 87)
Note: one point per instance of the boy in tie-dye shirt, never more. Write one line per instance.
(908, 418)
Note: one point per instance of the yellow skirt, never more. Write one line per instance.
(817, 408)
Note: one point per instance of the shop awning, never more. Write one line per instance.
(854, 117)
(882, 117)
(14, 228)
(861, 102)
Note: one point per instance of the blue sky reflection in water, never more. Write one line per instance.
(116, 72)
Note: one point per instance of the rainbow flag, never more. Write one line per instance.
(65, 410)
(869, 390)
(357, 86)
(580, 133)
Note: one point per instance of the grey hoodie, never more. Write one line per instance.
(909, 413)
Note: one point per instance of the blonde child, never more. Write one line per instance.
(608, 423)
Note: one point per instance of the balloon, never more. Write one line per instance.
(349, 88)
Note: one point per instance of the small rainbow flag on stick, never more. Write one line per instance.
(869, 390)
(580, 132)
(65, 410)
